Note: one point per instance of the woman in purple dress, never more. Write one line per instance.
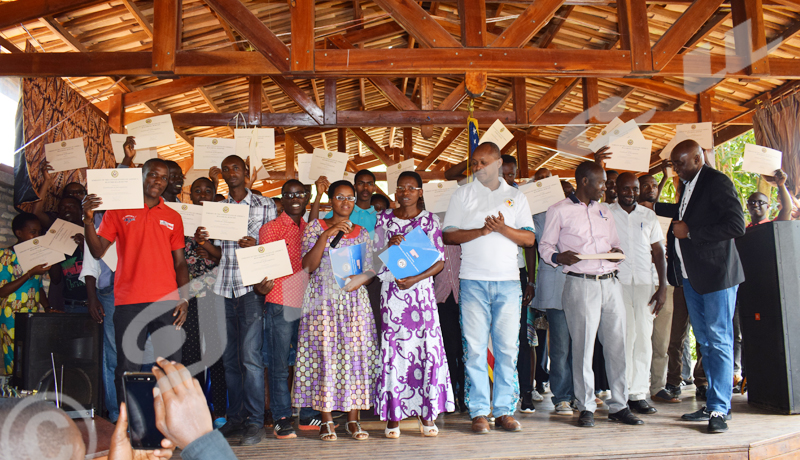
(337, 350)
(414, 380)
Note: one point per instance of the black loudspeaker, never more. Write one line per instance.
(74, 341)
(769, 315)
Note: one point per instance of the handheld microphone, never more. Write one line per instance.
(337, 238)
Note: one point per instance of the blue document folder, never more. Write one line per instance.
(411, 257)
(347, 261)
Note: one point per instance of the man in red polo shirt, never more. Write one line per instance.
(758, 203)
(150, 286)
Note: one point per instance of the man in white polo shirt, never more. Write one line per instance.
(490, 219)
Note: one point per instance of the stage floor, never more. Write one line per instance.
(753, 433)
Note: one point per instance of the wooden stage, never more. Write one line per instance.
(753, 434)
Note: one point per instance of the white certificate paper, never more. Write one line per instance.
(152, 132)
(256, 143)
(59, 236)
(118, 188)
(269, 260)
(602, 139)
(498, 134)
(667, 150)
(191, 215)
(328, 164)
(701, 132)
(761, 160)
(110, 257)
(210, 151)
(142, 154)
(192, 175)
(66, 155)
(393, 172)
(543, 193)
(437, 195)
(349, 177)
(225, 221)
(32, 253)
(664, 222)
(304, 167)
(629, 153)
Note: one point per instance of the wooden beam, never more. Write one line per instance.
(543, 162)
(254, 107)
(522, 158)
(673, 92)
(452, 135)
(455, 98)
(545, 103)
(473, 22)
(13, 13)
(555, 24)
(139, 17)
(167, 25)
(116, 113)
(252, 29)
(330, 101)
(591, 97)
(61, 32)
(9, 46)
(512, 144)
(527, 24)
(704, 106)
(302, 19)
(682, 30)
(476, 83)
(635, 34)
(426, 103)
(520, 100)
(503, 103)
(749, 35)
(713, 22)
(173, 88)
(373, 146)
(341, 140)
(418, 23)
(288, 148)
(300, 98)
(302, 142)
(408, 143)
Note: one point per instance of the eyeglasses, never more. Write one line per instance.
(293, 195)
(406, 189)
(756, 203)
(345, 198)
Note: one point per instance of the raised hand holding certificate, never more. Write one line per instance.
(66, 155)
(393, 172)
(32, 253)
(256, 143)
(304, 167)
(347, 261)
(152, 132)
(191, 215)
(142, 154)
(118, 188)
(629, 153)
(701, 132)
(225, 221)
(602, 139)
(59, 237)
(209, 152)
(437, 195)
(497, 134)
(269, 260)
(412, 256)
(761, 160)
(543, 193)
(328, 164)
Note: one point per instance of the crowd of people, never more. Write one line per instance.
(575, 297)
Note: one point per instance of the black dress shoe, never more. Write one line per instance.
(642, 407)
(702, 415)
(673, 390)
(232, 429)
(253, 434)
(717, 424)
(586, 420)
(665, 397)
(625, 416)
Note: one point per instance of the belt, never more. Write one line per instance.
(593, 277)
(80, 303)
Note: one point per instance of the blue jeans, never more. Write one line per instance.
(712, 322)
(491, 308)
(244, 368)
(106, 298)
(280, 331)
(75, 307)
(560, 357)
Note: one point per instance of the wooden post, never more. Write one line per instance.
(330, 102)
(302, 18)
(408, 143)
(341, 140)
(116, 113)
(254, 109)
(522, 157)
(288, 147)
(591, 98)
(166, 34)
(749, 36)
(520, 100)
(635, 33)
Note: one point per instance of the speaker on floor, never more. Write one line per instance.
(74, 341)
(769, 315)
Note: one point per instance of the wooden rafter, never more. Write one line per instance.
(373, 146)
(139, 17)
(302, 19)
(418, 23)
(173, 88)
(167, 25)
(12, 13)
(679, 34)
(300, 97)
(9, 46)
(713, 22)
(61, 32)
(455, 98)
(527, 24)
(473, 23)
(749, 35)
(670, 91)
(451, 136)
(555, 24)
(545, 103)
(635, 34)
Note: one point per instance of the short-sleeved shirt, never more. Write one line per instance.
(145, 240)
(284, 228)
(74, 288)
(637, 231)
(366, 218)
(202, 271)
(491, 257)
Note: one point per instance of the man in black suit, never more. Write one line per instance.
(703, 258)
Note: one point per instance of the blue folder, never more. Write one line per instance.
(411, 257)
(347, 261)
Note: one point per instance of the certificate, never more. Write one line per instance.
(256, 143)
(304, 167)
(152, 132)
(349, 177)
(412, 256)
(192, 175)
(118, 188)
(602, 139)
(629, 153)
(66, 155)
(497, 134)
(437, 195)
(543, 193)
(328, 164)
(761, 160)
(701, 132)
(269, 260)
(32, 253)
(142, 154)
(59, 237)
(110, 257)
(664, 222)
(347, 261)
(191, 215)
(606, 256)
(225, 221)
(209, 152)
(393, 172)
(667, 150)
(615, 130)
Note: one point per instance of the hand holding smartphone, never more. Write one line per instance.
(138, 389)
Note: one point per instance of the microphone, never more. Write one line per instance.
(337, 238)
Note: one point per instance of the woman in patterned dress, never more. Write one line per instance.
(19, 292)
(415, 381)
(337, 344)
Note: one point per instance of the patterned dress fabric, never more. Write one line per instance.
(23, 300)
(414, 379)
(337, 352)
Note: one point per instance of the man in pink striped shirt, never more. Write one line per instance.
(575, 228)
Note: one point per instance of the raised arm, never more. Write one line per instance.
(42, 192)
(322, 185)
(783, 197)
(96, 243)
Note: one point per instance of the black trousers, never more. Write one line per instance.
(524, 355)
(132, 324)
(450, 321)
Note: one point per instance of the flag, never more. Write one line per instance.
(474, 139)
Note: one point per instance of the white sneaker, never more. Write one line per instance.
(563, 408)
(536, 396)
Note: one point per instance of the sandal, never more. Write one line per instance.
(327, 431)
(392, 433)
(428, 431)
(359, 434)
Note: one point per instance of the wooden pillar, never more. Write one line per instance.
(116, 113)
(330, 102)
(341, 140)
(522, 157)
(254, 108)
(288, 147)
(166, 34)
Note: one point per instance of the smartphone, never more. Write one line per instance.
(138, 389)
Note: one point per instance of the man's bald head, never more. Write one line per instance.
(687, 159)
(627, 186)
(591, 180)
(542, 173)
(490, 148)
(38, 431)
